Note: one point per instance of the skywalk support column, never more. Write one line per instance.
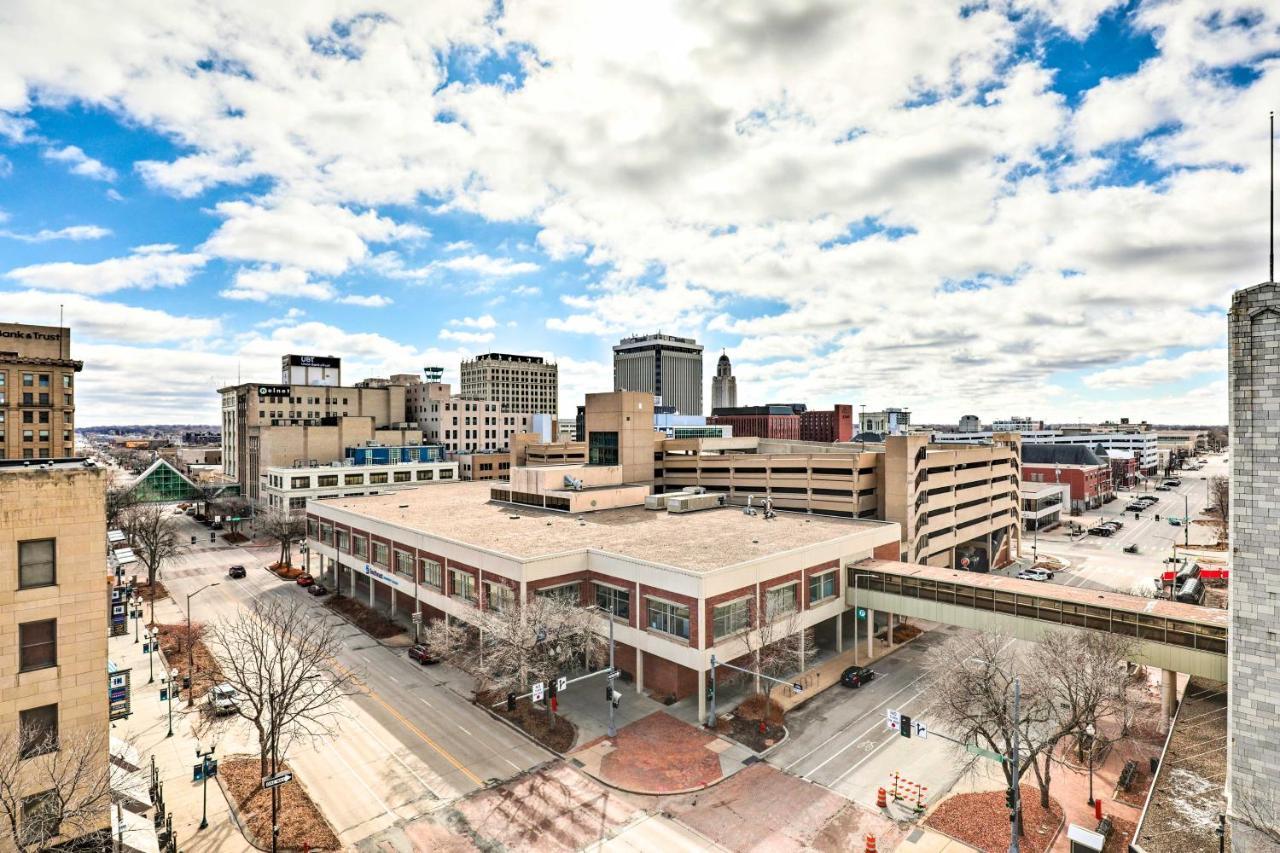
(1168, 697)
(639, 670)
(702, 694)
(889, 633)
(840, 632)
(871, 632)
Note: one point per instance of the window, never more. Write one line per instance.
(404, 563)
(568, 592)
(353, 479)
(463, 585)
(425, 474)
(311, 528)
(432, 573)
(297, 503)
(498, 596)
(446, 473)
(44, 380)
(41, 817)
(668, 618)
(380, 553)
(326, 533)
(780, 600)
(341, 540)
(28, 379)
(300, 483)
(28, 435)
(37, 645)
(603, 448)
(327, 480)
(376, 479)
(37, 731)
(731, 618)
(614, 600)
(822, 586)
(403, 476)
(66, 380)
(37, 563)
(359, 546)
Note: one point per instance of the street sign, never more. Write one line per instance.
(974, 749)
(538, 690)
(613, 673)
(893, 718)
(417, 618)
(862, 613)
(269, 782)
(922, 731)
(562, 683)
(797, 687)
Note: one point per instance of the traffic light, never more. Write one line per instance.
(904, 726)
(608, 693)
(511, 701)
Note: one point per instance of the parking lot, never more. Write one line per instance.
(1098, 562)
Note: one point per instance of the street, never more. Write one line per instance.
(410, 740)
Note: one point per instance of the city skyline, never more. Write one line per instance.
(1041, 208)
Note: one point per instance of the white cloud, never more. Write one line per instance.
(147, 267)
(525, 290)
(263, 283)
(1160, 371)
(484, 265)
(99, 320)
(458, 246)
(466, 337)
(372, 300)
(70, 232)
(80, 163)
(323, 238)
(484, 321)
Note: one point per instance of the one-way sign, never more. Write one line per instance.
(276, 780)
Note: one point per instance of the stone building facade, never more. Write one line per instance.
(37, 392)
(1253, 778)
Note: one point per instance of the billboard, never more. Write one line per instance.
(313, 361)
(274, 390)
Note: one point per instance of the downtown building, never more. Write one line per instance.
(465, 425)
(666, 366)
(37, 392)
(518, 383)
(1144, 447)
(724, 385)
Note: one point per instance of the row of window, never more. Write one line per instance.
(37, 380)
(33, 399)
(376, 478)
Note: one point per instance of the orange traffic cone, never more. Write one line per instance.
(882, 800)
(871, 844)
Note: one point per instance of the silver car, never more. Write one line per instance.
(222, 699)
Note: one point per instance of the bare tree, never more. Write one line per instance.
(281, 661)
(1081, 679)
(1261, 816)
(233, 509)
(521, 643)
(285, 527)
(776, 644)
(120, 500)
(54, 788)
(1220, 503)
(154, 534)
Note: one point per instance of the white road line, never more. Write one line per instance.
(425, 702)
(853, 722)
(852, 743)
(366, 660)
(393, 678)
(513, 764)
(465, 732)
(872, 753)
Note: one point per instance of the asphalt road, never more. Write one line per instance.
(410, 738)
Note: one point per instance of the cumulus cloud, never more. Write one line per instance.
(484, 321)
(466, 337)
(100, 320)
(1157, 371)
(260, 284)
(70, 232)
(484, 265)
(158, 265)
(80, 163)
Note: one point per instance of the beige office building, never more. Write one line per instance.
(53, 626)
(667, 367)
(268, 425)
(519, 383)
(37, 392)
(462, 424)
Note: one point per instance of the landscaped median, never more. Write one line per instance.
(302, 826)
(174, 642)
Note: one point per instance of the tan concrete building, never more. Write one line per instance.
(53, 623)
(520, 383)
(274, 425)
(620, 432)
(462, 424)
(37, 392)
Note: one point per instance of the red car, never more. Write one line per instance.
(305, 579)
(422, 655)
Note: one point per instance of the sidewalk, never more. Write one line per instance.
(147, 728)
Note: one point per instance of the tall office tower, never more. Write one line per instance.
(1253, 776)
(37, 392)
(54, 621)
(724, 386)
(668, 367)
(521, 383)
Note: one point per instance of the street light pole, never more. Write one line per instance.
(613, 729)
(191, 672)
(173, 674)
(204, 784)
(1090, 731)
(153, 635)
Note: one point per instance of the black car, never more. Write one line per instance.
(236, 572)
(317, 589)
(421, 655)
(856, 676)
(1100, 530)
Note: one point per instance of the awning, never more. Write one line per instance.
(114, 536)
(124, 556)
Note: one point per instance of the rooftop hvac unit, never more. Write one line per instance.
(656, 501)
(695, 503)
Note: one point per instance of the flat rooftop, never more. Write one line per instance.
(697, 541)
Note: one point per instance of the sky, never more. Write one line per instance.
(1031, 207)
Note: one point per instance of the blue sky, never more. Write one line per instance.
(1007, 208)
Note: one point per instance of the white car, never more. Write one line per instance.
(222, 699)
(1035, 575)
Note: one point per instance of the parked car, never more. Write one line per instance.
(1131, 549)
(236, 572)
(1174, 483)
(1136, 507)
(217, 525)
(1117, 524)
(1175, 521)
(222, 699)
(317, 589)
(305, 579)
(1163, 488)
(420, 654)
(1101, 531)
(856, 676)
(1035, 575)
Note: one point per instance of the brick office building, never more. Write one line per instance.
(772, 421)
(1087, 477)
(835, 424)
